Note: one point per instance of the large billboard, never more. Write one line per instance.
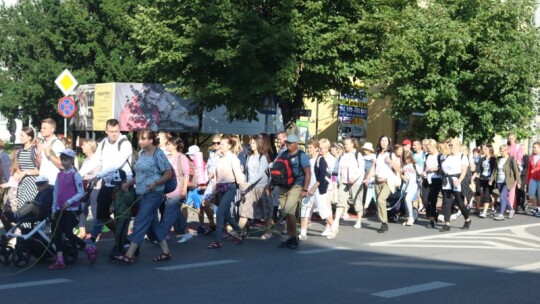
(149, 106)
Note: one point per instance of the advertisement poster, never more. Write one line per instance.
(150, 106)
(142, 105)
(103, 104)
(84, 98)
(353, 115)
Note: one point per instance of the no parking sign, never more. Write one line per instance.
(67, 107)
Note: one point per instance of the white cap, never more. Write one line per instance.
(193, 149)
(42, 179)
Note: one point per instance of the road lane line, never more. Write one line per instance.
(411, 289)
(521, 268)
(34, 283)
(195, 265)
(313, 251)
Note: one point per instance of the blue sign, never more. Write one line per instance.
(67, 107)
(351, 111)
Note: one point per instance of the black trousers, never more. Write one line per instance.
(449, 196)
(430, 194)
(64, 222)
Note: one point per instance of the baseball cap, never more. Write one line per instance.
(292, 139)
(193, 149)
(406, 142)
(68, 152)
(41, 179)
(119, 176)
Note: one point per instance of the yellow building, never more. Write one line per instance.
(379, 122)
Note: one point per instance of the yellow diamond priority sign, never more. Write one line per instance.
(66, 82)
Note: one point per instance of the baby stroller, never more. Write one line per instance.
(396, 206)
(34, 241)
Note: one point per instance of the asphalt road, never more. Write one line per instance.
(494, 262)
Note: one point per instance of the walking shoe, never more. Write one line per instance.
(326, 232)
(482, 215)
(57, 265)
(358, 225)
(383, 229)
(537, 214)
(333, 234)
(291, 243)
(511, 213)
(499, 217)
(467, 224)
(91, 251)
(345, 216)
(302, 237)
(445, 228)
(185, 238)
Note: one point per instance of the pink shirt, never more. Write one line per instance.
(516, 151)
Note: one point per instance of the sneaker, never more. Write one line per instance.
(57, 265)
(333, 234)
(537, 214)
(326, 232)
(345, 216)
(185, 238)
(534, 211)
(482, 215)
(511, 213)
(91, 251)
(302, 237)
(291, 243)
(358, 225)
(499, 217)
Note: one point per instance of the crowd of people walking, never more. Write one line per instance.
(146, 194)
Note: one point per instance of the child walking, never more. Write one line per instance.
(121, 208)
(68, 192)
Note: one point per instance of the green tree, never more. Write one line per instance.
(39, 38)
(469, 65)
(235, 52)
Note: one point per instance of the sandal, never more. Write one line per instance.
(162, 257)
(126, 260)
(210, 230)
(214, 245)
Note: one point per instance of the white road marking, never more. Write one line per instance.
(313, 251)
(34, 283)
(521, 268)
(195, 265)
(411, 289)
(494, 238)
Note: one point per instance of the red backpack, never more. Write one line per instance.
(281, 173)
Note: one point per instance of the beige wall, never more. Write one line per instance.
(379, 122)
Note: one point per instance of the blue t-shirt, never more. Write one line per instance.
(295, 164)
(419, 158)
(149, 169)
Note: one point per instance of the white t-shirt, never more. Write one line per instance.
(452, 166)
(47, 168)
(432, 162)
(500, 172)
(382, 169)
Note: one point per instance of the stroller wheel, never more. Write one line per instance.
(5, 255)
(415, 214)
(393, 216)
(20, 257)
(71, 252)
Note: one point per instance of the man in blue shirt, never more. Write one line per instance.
(289, 198)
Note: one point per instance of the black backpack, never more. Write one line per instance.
(282, 174)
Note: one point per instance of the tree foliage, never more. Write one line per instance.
(235, 52)
(40, 38)
(469, 65)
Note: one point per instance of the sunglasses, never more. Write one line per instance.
(215, 142)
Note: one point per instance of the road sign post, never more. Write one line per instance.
(66, 106)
